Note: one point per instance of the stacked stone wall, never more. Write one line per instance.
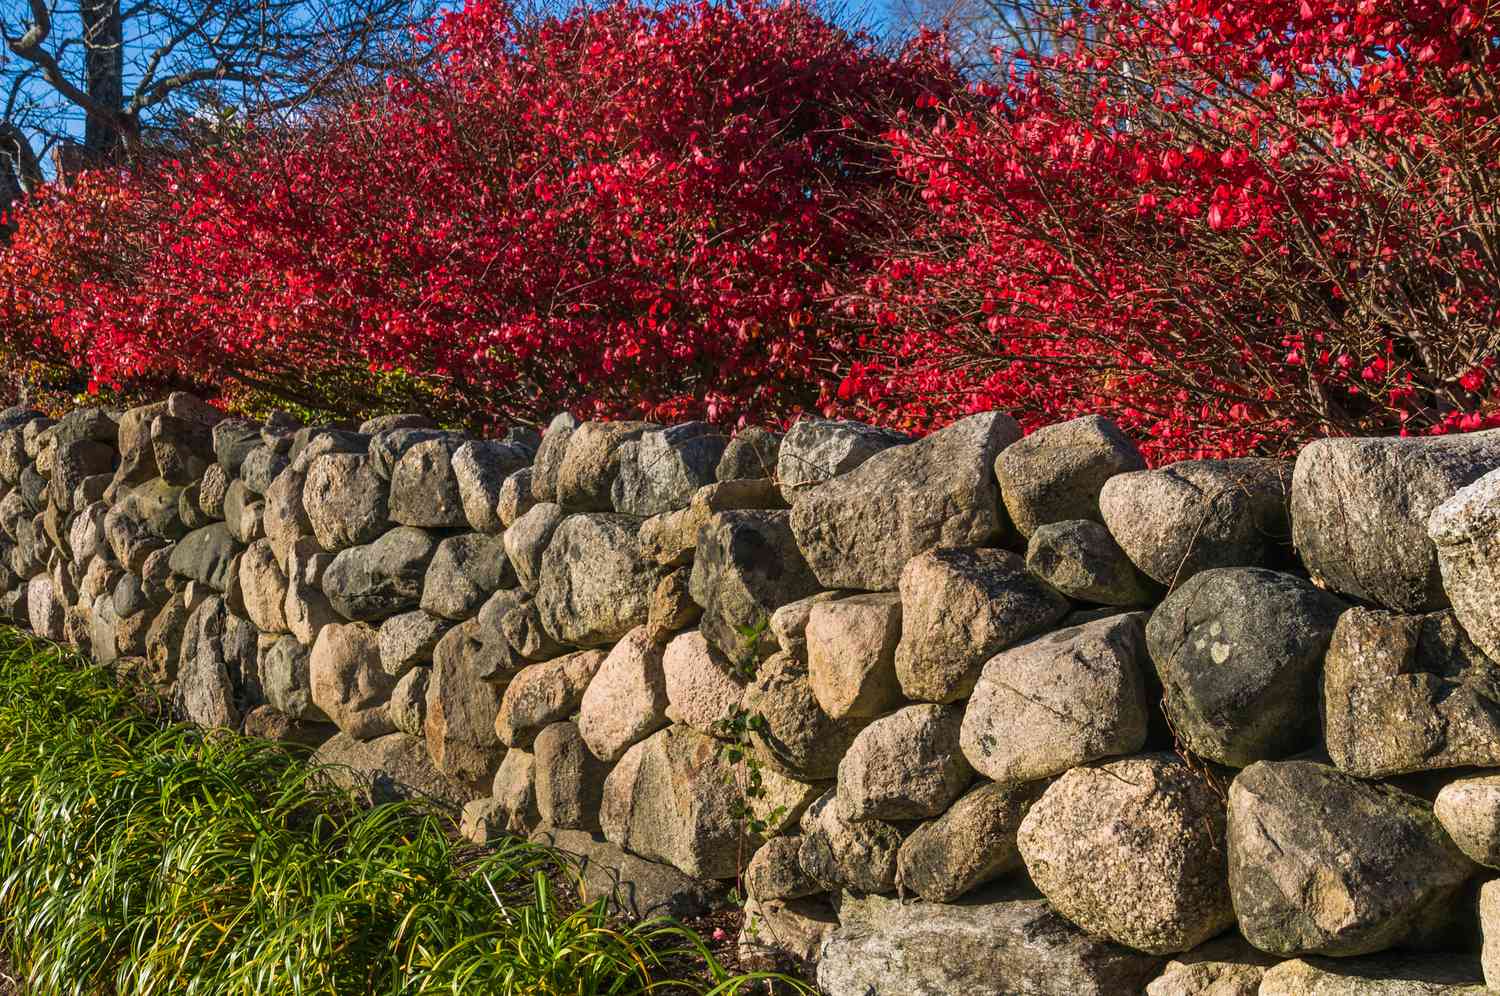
(975, 713)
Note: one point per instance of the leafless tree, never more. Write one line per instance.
(981, 30)
(124, 76)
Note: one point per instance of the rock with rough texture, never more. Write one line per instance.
(286, 676)
(635, 887)
(307, 608)
(387, 769)
(747, 565)
(1187, 517)
(1058, 701)
(284, 518)
(460, 714)
(233, 439)
(1239, 651)
(409, 701)
(526, 541)
(261, 467)
(1322, 863)
(542, 694)
(789, 623)
(1081, 560)
(263, 588)
(407, 640)
(1149, 828)
(1489, 923)
(591, 464)
(465, 571)
(673, 797)
(1466, 531)
(703, 688)
(1404, 693)
(775, 872)
(626, 701)
(516, 497)
(1469, 810)
(785, 935)
(424, 486)
(841, 853)
(660, 471)
(858, 530)
(672, 607)
(480, 467)
(959, 608)
(815, 450)
(1056, 473)
(347, 683)
(795, 736)
(569, 779)
(594, 585)
(207, 555)
(204, 691)
(182, 449)
(1224, 966)
(1360, 511)
(1387, 975)
(523, 630)
(851, 651)
(970, 845)
(345, 500)
(383, 578)
(751, 454)
(549, 456)
(1005, 944)
(905, 766)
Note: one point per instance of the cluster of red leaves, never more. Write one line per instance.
(1230, 225)
(1233, 225)
(626, 211)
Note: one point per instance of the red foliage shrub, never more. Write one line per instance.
(626, 210)
(1231, 224)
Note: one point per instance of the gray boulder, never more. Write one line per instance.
(407, 640)
(204, 691)
(389, 445)
(569, 779)
(905, 766)
(1360, 510)
(746, 566)
(1239, 652)
(345, 500)
(465, 571)
(1001, 944)
(233, 439)
(842, 853)
(1148, 828)
(1188, 517)
(424, 486)
(1466, 531)
(286, 678)
(660, 471)
(262, 466)
(207, 555)
(527, 538)
(1421, 668)
(594, 585)
(549, 456)
(460, 714)
(1322, 863)
(960, 607)
(481, 468)
(382, 578)
(409, 701)
(858, 529)
(1055, 473)
(1081, 560)
(814, 450)
(591, 463)
(516, 496)
(1059, 701)
(970, 845)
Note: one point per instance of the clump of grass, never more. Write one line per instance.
(138, 859)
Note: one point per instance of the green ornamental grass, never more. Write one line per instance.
(143, 859)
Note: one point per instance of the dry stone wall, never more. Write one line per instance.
(973, 714)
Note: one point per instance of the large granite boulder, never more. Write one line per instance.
(1002, 944)
(851, 651)
(465, 571)
(747, 565)
(814, 450)
(460, 715)
(660, 471)
(1405, 693)
(346, 681)
(569, 779)
(960, 607)
(970, 845)
(542, 694)
(481, 467)
(1239, 651)
(905, 766)
(1466, 531)
(1058, 701)
(1080, 559)
(208, 555)
(591, 463)
(794, 735)
(1469, 810)
(626, 701)
(751, 454)
(380, 579)
(594, 585)
(424, 486)
(1187, 517)
(1323, 863)
(549, 456)
(1148, 828)
(1360, 510)
(858, 529)
(1055, 473)
(346, 502)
